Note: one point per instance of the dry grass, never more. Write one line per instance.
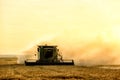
(22, 72)
(8, 60)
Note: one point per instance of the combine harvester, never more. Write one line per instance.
(49, 55)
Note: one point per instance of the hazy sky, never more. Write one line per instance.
(22, 22)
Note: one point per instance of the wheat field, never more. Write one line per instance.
(22, 72)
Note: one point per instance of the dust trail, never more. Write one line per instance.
(90, 50)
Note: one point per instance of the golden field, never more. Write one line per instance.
(22, 72)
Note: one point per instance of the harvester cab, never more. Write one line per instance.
(49, 55)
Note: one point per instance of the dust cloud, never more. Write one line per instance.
(84, 50)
